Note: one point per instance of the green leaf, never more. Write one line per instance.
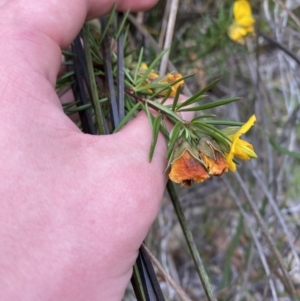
(65, 76)
(126, 32)
(121, 26)
(164, 130)
(191, 100)
(168, 87)
(165, 97)
(68, 105)
(284, 150)
(176, 98)
(78, 109)
(209, 86)
(187, 134)
(153, 86)
(203, 116)
(173, 138)
(138, 66)
(128, 75)
(210, 105)
(155, 132)
(137, 284)
(164, 109)
(224, 122)
(211, 131)
(149, 115)
(196, 97)
(67, 53)
(93, 85)
(127, 117)
(109, 21)
(150, 68)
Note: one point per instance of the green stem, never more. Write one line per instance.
(191, 244)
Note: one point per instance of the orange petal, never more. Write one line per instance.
(187, 168)
(215, 167)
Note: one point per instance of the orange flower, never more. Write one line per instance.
(187, 166)
(154, 78)
(171, 78)
(214, 159)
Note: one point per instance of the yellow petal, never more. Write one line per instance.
(240, 148)
(144, 66)
(244, 150)
(250, 29)
(236, 33)
(241, 9)
(246, 21)
(229, 160)
(245, 127)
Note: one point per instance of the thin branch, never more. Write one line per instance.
(255, 238)
(169, 36)
(120, 70)
(167, 277)
(280, 46)
(274, 206)
(288, 283)
(109, 77)
(190, 242)
(290, 13)
(164, 24)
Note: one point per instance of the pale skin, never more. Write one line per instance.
(74, 208)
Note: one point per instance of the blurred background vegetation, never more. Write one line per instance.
(265, 74)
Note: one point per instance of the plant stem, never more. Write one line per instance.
(191, 244)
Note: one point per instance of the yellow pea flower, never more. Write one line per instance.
(171, 78)
(243, 21)
(240, 148)
(153, 77)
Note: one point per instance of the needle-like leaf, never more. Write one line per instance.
(155, 132)
(210, 105)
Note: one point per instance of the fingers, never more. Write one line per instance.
(62, 20)
(122, 5)
(36, 30)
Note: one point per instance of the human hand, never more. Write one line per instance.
(74, 208)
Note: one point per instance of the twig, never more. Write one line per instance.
(120, 70)
(280, 46)
(167, 277)
(78, 87)
(255, 238)
(169, 36)
(277, 213)
(164, 24)
(290, 13)
(289, 285)
(109, 77)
